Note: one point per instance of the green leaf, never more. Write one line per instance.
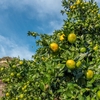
(80, 97)
(42, 86)
(88, 98)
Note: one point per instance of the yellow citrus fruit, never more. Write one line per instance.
(98, 94)
(78, 2)
(20, 62)
(65, 26)
(42, 58)
(23, 88)
(18, 74)
(12, 74)
(16, 98)
(54, 47)
(2, 69)
(70, 64)
(98, 15)
(62, 37)
(71, 7)
(7, 80)
(25, 91)
(78, 64)
(89, 74)
(72, 38)
(95, 48)
(91, 43)
(14, 66)
(7, 94)
(82, 49)
(21, 96)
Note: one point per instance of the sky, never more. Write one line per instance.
(17, 17)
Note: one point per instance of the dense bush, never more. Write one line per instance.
(66, 65)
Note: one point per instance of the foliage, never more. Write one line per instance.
(49, 77)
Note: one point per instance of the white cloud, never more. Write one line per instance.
(41, 10)
(22, 52)
(55, 25)
(2, 50)
(48, 6)
(9, 48)
(98, 1)
(38, 7)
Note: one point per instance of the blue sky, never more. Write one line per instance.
(17, 17)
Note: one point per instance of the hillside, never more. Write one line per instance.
(3, 63)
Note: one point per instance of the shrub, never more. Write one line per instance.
(68, 70)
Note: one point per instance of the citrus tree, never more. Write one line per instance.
(66, 65)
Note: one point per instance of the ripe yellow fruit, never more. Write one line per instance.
(16, 98)
(42, 58)
(54, 47)
(70, 64)
(18, 75)
(21, 96)
(20, 62)
(7, 94)
(89, 74)
(78, 2)
(12, 74)
(82, 49)
(2, 69)
(95, 48)
(98, 15)
(72, 37)
(62, 37)
(14, 66)
(72, 7)
(98, 94)
(24, 87)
